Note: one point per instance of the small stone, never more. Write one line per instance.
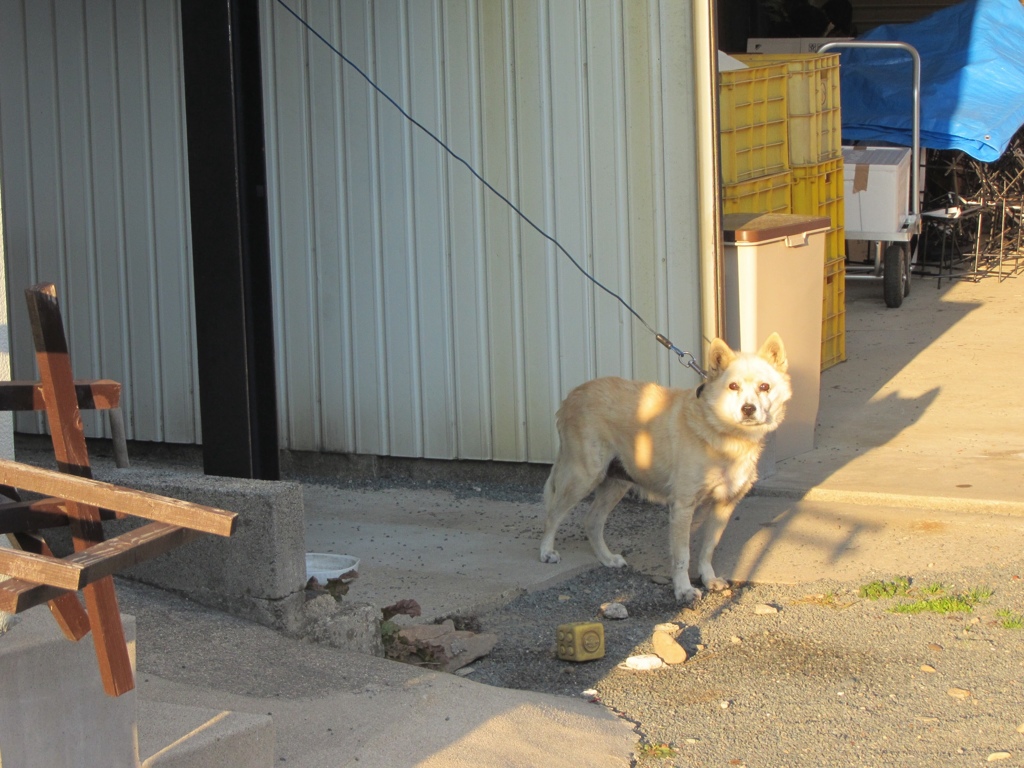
(644, 662)
(614, 611)
(1020, 728)
(590, 693)
(927, 668)
(726, 593)
(724, 704)
(667, 649)
(998, 756)
(662, 580)
(959, 693)
(735, 640)
(700, 646)
(763, 609)
(564, 598)
(935, 647)
(465, 671)
(691, 741)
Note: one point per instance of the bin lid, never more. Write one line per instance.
(759, 227)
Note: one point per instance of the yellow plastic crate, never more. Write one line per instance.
(815, 127)
(818, 191)
(753, 122)
(766, 194)
(833, 323)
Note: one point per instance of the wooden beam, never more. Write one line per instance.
(40, 514)
(17, 595)
(73, 457)
(126, 501)
(41, 569)
(97, 562)
(98, 394)
(129, 548)
(67, 611)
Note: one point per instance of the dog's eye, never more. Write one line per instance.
(734, 386)
(763, 386)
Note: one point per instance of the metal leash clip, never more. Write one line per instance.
(685, 358)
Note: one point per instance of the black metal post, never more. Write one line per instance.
(230, 237)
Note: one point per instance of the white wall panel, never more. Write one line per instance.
(446, 327)
(415, 313)
(92, 162)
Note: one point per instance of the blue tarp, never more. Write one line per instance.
(972, 80)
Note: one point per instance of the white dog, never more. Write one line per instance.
(686, 447)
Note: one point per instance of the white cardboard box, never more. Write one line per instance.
(876, 188)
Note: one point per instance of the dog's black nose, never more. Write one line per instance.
(749, 409)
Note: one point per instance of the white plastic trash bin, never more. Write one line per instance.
(774, 279)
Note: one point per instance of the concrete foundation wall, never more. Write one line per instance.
(259, 573)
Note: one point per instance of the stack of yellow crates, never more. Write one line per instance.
(782, 153)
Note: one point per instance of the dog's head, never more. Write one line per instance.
(748, 391)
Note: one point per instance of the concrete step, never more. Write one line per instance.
(54, 713)
(176, 736)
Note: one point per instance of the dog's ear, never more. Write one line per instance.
(773, 351)
(719, 357)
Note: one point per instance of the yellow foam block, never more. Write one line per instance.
(581, 641)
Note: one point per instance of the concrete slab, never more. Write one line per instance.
(926, 406)
(178, 736)
(53, 710)
(450, 553)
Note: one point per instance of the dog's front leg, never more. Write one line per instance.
(713, 528)
(679, 522)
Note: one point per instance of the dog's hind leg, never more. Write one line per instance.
(713, 528)
(563, 491)
(679, 522)
(608, 494)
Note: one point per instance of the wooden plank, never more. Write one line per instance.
(66, 609)
(40, 514)
(17, 595)
(94, 394)
(73, 457)
(122, 500)
(128, 549)
(96, 562)
(40, 569)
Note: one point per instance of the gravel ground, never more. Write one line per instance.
(831, 679)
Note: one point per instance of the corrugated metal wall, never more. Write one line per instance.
(93, 167)
(416, 315)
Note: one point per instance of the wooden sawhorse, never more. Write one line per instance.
(74, 499)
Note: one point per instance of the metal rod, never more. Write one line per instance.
(916, 123)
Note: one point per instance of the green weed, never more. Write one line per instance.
(877, 590)
(1010, 620)
(930, 598)
(944, 604)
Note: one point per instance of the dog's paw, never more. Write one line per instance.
(687, 594)
(716, 584)
(615, 561)
(551, 556)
